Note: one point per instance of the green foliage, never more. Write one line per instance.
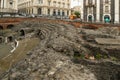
(105, 57)
(114, 58)
(77, 14)
(98, 56)
(78, 55)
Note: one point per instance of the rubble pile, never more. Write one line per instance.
(64, 54)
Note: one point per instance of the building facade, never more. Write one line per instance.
(45, 7)
(77, 8)
(101, 11)
(8, 6)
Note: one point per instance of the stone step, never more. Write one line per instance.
(109, 41)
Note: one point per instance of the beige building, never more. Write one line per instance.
(101, 11)
(45, 7)
(8, 6)
(77, 8)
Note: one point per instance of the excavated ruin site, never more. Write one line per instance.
(62, 52)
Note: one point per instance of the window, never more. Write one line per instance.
(106, 9)
(40, 11)
(48, 11)
(54, 3)
(106, 1)
(54, 12)
(68, 13)
(63, 13)
(90, 10)
(32, 11)
(90, 1)
(49, 3)
(58, 12)
(40, 1)
(68, 5)
(59, 4)
(63, 4)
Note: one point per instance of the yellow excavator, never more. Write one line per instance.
(72, 16)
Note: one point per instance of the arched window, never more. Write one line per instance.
(67, 13)
(40, 1)
(106, 9)
(90, 18)
(106, 1)
(10, 39)
(39, 11)
(63, 13)
(48, 11)
(54, 12)
(107, 18)
(22, 33)
(58, 12)
(90, 1)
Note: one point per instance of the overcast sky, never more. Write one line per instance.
(75, 2)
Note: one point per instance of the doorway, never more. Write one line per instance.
(90, 18)
(107, 19)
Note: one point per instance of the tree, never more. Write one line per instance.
(77, 14)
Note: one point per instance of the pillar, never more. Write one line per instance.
(82, 11)
(5, 4)
(51, 11)
(2, 5)
(35, 10)
(98, 11)
(116, 16)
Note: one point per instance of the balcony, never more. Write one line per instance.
(90, 5)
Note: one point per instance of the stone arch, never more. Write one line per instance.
(10, 38)
(1, 39)
(40, 11)
(106, 18)
(54, 12)
(10, 26)
(90, 18)
(39, 34)
(1, 27)
(22, 32)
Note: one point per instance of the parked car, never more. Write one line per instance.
(31, 16)
(17, 15)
